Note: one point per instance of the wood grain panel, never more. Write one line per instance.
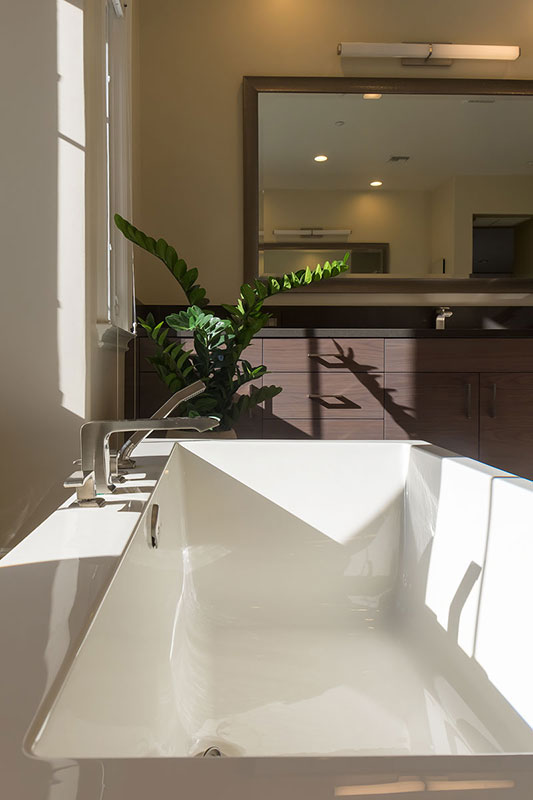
(506, 422)
(441, 408)
(459, 355)
(300, 355)
(322, 429)
(250, 425)
(335, 395)
(253, 353)
(153, 393)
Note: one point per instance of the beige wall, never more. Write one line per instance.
(53, 373)
(453, 205)
(442, 227)
(399, 218)
(485, 194)
(191, 57)
(421, 228)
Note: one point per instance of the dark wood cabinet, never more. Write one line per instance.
(325, 354)
(506, 421)
(470, 395)
(318, 428)
(439, 407)
(336, 395)
(459, 355)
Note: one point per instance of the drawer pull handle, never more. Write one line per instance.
(324, 396)
(323, 355)
(492, 411)
(469, 401)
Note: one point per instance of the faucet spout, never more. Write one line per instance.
(443, 313)
(124, 459)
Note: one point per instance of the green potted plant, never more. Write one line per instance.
(214, 353)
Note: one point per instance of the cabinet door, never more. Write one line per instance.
(441, 408)
(506, 421)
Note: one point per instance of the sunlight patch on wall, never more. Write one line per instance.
(71, 208)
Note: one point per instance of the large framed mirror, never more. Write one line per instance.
(427, 183)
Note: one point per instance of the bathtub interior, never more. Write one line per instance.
(308, 598)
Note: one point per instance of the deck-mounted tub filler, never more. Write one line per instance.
(274, 619)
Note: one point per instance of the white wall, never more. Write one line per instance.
(190, 62)
(49, 360)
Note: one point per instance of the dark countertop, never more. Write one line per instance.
(385, 322)
(395, 333)
(378, 333)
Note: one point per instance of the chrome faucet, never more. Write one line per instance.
(124, 460)
(96, 474)
(443, 313)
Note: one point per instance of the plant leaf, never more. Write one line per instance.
(160, 248)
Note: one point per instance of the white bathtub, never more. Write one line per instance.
(368, 601)
(311, 599)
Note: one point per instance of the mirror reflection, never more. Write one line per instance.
(412, 186)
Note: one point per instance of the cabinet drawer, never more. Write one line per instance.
(459, 355)
(322, 429)
(336, 395)
(147, 347)
(441, 408)
(321, 355)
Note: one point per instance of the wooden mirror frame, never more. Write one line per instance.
(253, 86)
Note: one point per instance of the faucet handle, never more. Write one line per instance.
(84, 484)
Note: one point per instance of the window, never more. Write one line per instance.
(119, 302)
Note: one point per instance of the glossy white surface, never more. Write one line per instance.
(341, 599)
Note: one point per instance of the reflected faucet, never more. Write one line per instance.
(95, 475)
(443, 313)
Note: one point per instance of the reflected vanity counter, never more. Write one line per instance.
(467, 389)
(330, 616)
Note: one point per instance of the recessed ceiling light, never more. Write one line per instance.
(372, 96)
(376, 183)
(321, 158)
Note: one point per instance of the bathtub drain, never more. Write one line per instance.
(212, 752)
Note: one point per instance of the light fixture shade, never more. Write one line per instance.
(312, 232)
(491, 52)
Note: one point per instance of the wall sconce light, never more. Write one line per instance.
(317, 233)
(435, 54)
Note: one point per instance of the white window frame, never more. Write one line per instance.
(116, 317)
